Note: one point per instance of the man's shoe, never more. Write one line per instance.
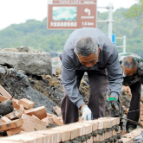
(130, 128)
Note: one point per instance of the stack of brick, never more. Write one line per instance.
(100, 130)
(25, 117)
(141, 114)
(129, 138)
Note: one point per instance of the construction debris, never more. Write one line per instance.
(34, 125)
(6, 107)
(36, 114)
(132, 137)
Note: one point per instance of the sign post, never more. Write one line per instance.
(72, 14)
(113, 39)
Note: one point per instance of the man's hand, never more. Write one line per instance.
(86, 113)
(113, 104)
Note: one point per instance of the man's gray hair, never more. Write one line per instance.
(129, 62)
(85, 46)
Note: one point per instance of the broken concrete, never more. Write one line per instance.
(6, 107)
(31, 63)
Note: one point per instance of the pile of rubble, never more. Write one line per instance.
(24, 118)
(20, 115)
(36, 121)
(36, 95)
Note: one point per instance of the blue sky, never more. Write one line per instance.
(18, 11)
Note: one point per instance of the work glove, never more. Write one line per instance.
(114, 105)
(86, 113)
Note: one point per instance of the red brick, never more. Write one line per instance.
(57, 110)
(26, 103)
(141, 112)
(27, 138)
(141, 117)
(90, 140)
(54, 136)
(141, 122)
(94, 124)
(95, 139)
(2, 98)
(81, 128)
(35, 117)
(101, 138)
(4, 119)
(5, 93)
(15, 114)
(74, 131)
(107, 135)
(46, 120)
(11, 125)
(141, 109)
(114, 133)
(49, 115)
(119, 131)
(88, 127)
(40, 112)
(100, 124)
(113, 120)
(108, 122)
(80, 119)
(65, 134)
(13, 131)
(56, 120)
(15, 103)
(21, 107)
(4, 141)
(123, 132)
(32, 124)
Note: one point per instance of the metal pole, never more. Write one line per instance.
(110, 21)
(124, 44)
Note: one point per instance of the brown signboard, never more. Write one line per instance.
(71, 16)
(73, 2)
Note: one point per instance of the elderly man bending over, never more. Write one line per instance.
(89, 50)
(132, 66)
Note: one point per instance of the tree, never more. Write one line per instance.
(136, 12)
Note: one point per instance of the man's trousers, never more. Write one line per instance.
(135, 102)
(98, 85)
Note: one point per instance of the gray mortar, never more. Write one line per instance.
(51, 125)
(82, 139)
(88, 136)
(100, 132)
(119, 136)
(74, 141)
(66, 142)
(94, 133)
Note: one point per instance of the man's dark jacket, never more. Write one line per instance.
(108, 59)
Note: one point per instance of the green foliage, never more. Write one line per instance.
(34, 34)
(136, 12)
